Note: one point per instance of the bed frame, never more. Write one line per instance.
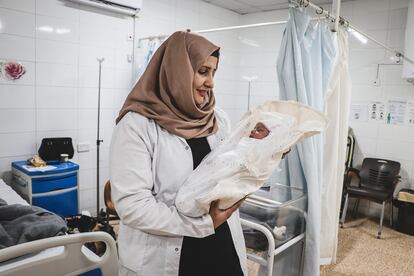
(61, 255)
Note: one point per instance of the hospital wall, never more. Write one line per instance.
(385, 20)
(59, 42)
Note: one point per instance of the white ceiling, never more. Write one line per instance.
(252, 6)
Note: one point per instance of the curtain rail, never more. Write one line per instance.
(300, 3)
(346, 24)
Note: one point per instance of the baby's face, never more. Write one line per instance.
(260, 131)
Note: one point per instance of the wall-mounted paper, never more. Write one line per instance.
(377, 111)
(359, 112)
(410, 113)
(396, 112)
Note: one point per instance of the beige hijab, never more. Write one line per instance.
(164, 92)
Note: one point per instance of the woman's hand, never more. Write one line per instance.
(218, 215)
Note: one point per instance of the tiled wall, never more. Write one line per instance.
(258, 55)
(58, 42)
(385, 20)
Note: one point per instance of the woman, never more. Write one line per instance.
(167, 125)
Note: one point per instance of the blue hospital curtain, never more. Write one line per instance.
(304, 66)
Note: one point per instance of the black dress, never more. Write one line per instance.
(214, 255)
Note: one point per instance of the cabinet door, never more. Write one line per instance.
(62, 202)
(52, 183)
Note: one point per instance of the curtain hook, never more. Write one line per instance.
(344, 22)
(320, 11)
(398, 55)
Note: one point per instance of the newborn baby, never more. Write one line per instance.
(259, 131)
(243, 162)
(240, 163)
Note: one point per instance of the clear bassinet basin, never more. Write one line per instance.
(279, 208)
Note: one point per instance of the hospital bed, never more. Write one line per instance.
(60, 255)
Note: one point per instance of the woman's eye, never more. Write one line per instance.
(202, 72)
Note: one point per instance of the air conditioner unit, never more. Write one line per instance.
(129, 7)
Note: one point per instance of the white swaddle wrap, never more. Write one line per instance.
(240, 165)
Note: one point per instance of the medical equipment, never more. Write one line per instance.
(274, 220)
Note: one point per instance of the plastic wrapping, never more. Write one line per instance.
(240, 165)
(276, 207)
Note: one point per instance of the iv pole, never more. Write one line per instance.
(98, 140)
(249, 81)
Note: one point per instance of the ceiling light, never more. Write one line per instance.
(249, 78)
(358, 35)
(45, 29)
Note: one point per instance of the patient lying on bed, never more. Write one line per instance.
(23, 223)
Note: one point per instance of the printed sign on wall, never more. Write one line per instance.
(359, 112)
(396, 112)
(377, 111)
(410, 113)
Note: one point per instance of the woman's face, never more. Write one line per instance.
(203, 81)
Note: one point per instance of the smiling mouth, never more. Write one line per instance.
(203, 93)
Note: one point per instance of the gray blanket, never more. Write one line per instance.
(19, 224)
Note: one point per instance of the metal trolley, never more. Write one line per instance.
(276, 207)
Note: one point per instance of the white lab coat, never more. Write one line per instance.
(147, 167)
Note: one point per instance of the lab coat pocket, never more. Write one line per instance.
(132, 247)
(155, 255)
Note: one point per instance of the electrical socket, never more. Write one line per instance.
(130, 58)
(83, 147)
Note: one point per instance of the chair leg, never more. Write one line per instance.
(382, 217)
(356, 206)
(344, 211)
